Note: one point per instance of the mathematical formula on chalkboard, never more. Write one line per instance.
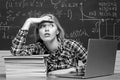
(81, 19)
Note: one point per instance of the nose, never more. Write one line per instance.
(46, 28)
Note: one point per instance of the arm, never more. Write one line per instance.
(18, 43)
(62, 71)
(80, 52)
(80, 56)
(19, 48)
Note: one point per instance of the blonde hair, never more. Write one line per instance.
(59, 27)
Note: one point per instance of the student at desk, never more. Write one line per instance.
(49, 35)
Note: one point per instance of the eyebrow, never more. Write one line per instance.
(40, 25)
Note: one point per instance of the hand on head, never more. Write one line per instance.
(30, 21)
(39, 20)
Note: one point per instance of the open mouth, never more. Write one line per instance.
(47, 34)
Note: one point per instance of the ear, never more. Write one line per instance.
(57, 31)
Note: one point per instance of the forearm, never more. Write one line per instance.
(26, 26)
(18, 42)
(62, 71)
(30, 21)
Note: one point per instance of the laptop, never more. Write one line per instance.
(100, 60)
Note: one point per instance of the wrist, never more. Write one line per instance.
(26, 25)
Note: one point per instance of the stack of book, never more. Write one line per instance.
(25, 66)
(2, 69)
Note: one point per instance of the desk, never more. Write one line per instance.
(116, 76)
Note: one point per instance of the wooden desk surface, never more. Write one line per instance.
(116, 76)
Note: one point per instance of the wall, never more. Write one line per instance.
(81, 19)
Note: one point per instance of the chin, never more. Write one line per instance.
(47, 39)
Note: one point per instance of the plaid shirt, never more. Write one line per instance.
(61, 58)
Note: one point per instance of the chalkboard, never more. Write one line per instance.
(81, 19)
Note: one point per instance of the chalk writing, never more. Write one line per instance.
(91, 18)
(77, 33)
(23, 3)
(108, 9)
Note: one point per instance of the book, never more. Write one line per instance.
(17, 66)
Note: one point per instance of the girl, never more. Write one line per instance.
(49, 36)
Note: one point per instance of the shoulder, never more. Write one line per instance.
(73, 46)
(70, 43)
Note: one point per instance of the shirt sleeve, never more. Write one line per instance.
(80, 52)
(19, 48)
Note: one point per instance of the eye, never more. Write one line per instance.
(52, 25)
(42, 26)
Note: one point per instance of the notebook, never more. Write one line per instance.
(100, 60)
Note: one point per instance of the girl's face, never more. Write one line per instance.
(48, 31)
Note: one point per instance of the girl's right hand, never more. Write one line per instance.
(30, 21)
(38, 20)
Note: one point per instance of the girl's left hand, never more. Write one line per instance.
(63, 71)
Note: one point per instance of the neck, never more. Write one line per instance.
(53, 44)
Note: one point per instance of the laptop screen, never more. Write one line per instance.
(101, 57)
